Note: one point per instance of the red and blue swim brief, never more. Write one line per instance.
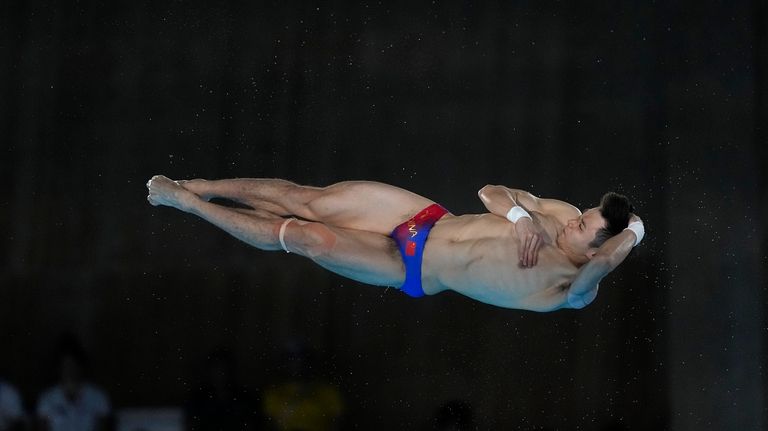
(410, 238)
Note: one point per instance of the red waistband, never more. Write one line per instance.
(431, 213)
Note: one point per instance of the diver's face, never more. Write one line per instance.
(580, 231)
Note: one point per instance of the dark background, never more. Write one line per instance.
(666, 103)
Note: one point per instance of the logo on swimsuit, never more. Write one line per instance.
(412, 228)
(410, 248)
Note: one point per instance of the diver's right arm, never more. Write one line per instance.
(499, 200)
(507, 203)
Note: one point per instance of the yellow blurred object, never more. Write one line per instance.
(303, 406)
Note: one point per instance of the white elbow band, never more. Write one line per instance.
(281, 235)
(639, 230)
(516, 213)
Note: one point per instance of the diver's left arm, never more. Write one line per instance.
(583, 289)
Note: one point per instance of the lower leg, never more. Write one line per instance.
(258, 232)
(258, 213)
(276, 196)
(253, 227)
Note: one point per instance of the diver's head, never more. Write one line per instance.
(582, 236)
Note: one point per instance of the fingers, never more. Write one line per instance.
(528, 251)
(529, 243)
(532, 250)
(535, 251)
(528, 248)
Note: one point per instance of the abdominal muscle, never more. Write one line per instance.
(476, 255)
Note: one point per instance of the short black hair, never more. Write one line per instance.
(616, 210)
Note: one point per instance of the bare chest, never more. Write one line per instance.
(482, 262)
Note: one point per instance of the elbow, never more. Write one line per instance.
(485, 189)
(579, 301)
(576, 304)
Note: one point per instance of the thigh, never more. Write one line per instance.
(363, 256)
(366, 205)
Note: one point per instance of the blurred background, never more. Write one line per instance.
(175, 324)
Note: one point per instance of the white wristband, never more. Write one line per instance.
(639, 230)
(515, 213)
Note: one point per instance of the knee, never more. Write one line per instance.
(313, 240)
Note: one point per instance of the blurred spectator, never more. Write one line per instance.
(11, 411)
(73, 404)
(221, 404)
(454, 415)
(303, 402)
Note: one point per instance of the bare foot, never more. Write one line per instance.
(164, 191)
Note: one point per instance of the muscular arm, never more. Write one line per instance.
(583, 289)
(499, 200)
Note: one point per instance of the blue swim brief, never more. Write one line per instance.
(410, 238)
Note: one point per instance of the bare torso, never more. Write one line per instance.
(477, 256)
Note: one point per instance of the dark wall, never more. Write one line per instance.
(663, 103)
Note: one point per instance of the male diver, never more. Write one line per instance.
(527, 253)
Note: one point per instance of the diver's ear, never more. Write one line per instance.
(591, 253)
